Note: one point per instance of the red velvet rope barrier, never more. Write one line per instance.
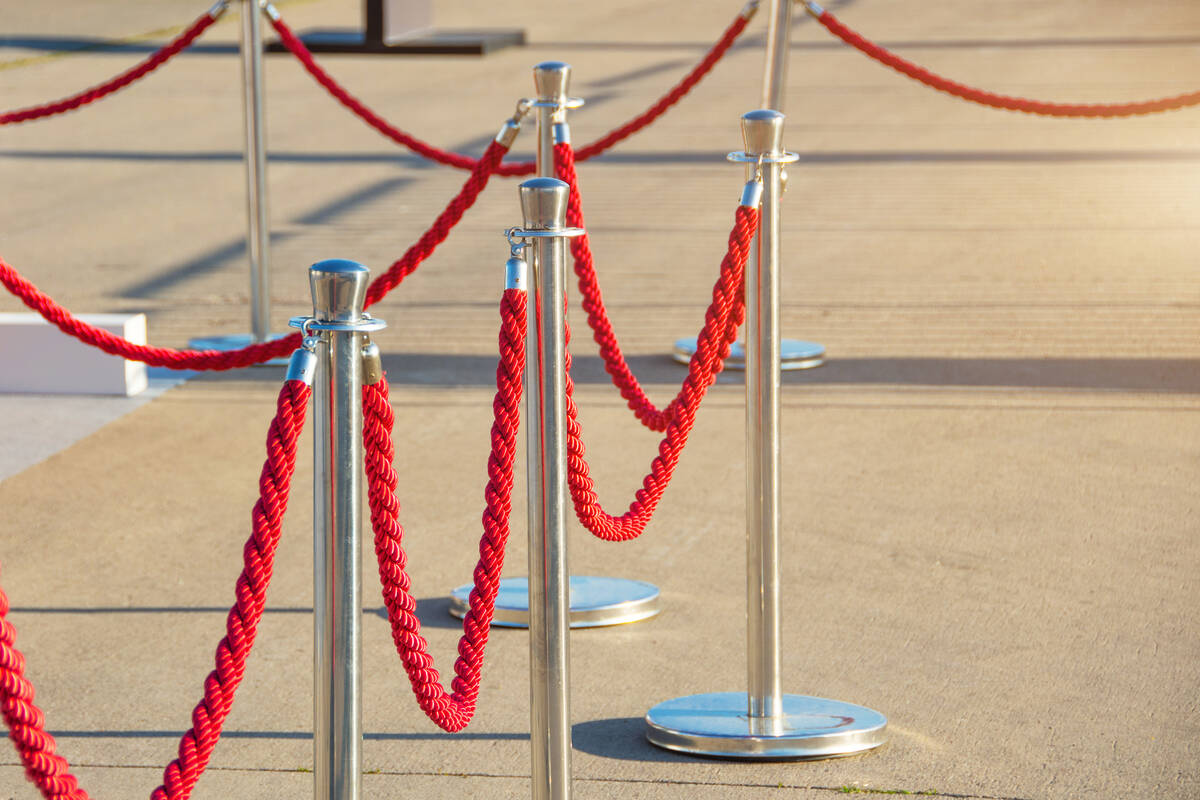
(724, 316)
(643, 408)
(152, 63)
(49, 771)
(460, 161)
(982, 97)
(52, 312)
(450, 711)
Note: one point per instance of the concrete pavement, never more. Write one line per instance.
(991, 524)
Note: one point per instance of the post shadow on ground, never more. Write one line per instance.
(624, 739)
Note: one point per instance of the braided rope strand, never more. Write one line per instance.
(459, 161)
(49, 771)
(450, 711)
(1021, 104)
(156, 60)
(712, 348)
(716, 316)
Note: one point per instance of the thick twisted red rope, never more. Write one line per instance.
(156, 60)
(26, 723)
(450, 711)
(986, 98)
(460, 161)
(716, 317)
(32, 297)
(724, 316)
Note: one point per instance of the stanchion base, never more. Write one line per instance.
(595, 602)
(444, 42)
(236, 341)
(793, 353)
(810, 727)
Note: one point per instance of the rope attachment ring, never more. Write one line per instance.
(544, 233)
(367, 324)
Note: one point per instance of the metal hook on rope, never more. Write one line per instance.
(516, 269)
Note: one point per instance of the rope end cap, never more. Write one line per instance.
(752, 194)
(302, 367)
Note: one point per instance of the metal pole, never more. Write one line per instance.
(338, 290)
(256, 171)
(763, 134)
(763, 722)
(596, 600)
(544, 205)
(793, 353)
(779, 37)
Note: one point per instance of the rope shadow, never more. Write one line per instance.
(293, 735)
(1159, 375)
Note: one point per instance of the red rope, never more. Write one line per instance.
(460, 161)
(450, 711)
(71, 325)
(482, 170)
(26, 723)
(986, 98)
(152, 63)
(724, 316)
(716, 317)
(673, 96)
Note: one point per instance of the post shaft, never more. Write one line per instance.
(258, 220)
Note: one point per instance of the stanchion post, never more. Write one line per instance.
(336, 335)
(544, 206)
(764, 722)
(258, 221)
(595, 600)
(793, 353)
(779, 39)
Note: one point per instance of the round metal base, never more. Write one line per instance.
(793, 353)
(595, 602)
(717, 724)
(236, 341)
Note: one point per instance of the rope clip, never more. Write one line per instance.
(219, 8)
(372, 364)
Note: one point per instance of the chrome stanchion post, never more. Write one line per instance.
(544, 205)
(793, 353)
(258, 223)
(763, 722)
(595, 600)
(779, 39)
(256, 170)
(336, 333)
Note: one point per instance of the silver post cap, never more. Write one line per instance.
(551, 79)
(762, 132)
(339, 288)
(544, 203)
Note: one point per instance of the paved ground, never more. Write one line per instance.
(991, 520)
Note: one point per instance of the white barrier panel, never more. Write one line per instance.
(38, 358)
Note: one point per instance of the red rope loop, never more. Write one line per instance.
(26, 723)
(716, 317)
(156, 60)
(724, 316)
(71, 325)
(450, 711)
(460, 161)
(986, 98)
